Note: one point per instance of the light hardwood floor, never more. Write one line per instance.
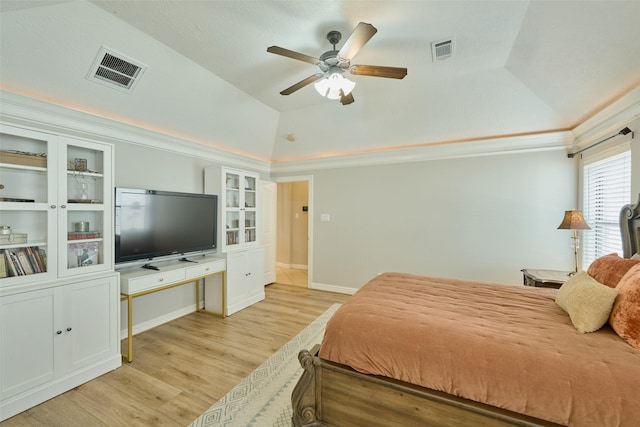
(292, 276)
(184, 366)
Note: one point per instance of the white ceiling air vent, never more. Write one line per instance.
(442, 49)
(115, 70)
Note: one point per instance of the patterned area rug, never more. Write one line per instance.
(264, 397)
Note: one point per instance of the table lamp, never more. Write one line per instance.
(573, 220)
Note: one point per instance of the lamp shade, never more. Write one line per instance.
(573, 220)
(332, 85)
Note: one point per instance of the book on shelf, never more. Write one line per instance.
(80, 235)
(22, 261)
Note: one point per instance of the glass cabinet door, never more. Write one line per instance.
(250, 195)
(239, 207)
(27, 205)
(232, 209)
(84, 218)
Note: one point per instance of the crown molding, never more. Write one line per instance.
(609, 120)
(556, 140)
(20, 110)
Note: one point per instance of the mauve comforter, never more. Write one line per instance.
(506, 346)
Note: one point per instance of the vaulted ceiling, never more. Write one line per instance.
(519, 67)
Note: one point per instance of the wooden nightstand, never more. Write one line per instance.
(544, 278)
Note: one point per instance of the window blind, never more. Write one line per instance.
(606, 188)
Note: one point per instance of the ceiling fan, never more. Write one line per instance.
(329, 81)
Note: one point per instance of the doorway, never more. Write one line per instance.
(293, 240)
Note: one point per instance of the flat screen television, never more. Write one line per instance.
(152, 223)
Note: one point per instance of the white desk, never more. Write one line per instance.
(138, 281)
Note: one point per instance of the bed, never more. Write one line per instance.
(445, 352)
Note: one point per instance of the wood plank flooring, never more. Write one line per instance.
(182, 367)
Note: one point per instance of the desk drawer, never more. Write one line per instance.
(156, 280)
(205, 269)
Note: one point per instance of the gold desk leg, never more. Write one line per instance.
(223, 285)
(129, 355)
(198, 293)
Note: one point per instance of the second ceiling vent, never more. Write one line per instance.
(442, 49)
(115, 70)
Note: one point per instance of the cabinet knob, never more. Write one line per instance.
(63, 206)
(161, 279)
(53, 206)
(58, 332)
(69, 329)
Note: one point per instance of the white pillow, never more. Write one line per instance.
(587, 301)
(636, 256)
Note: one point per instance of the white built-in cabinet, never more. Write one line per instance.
(245, 278)
(52, 338)
(59, 294)
(239, 193)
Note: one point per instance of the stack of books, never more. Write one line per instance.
(22, 261)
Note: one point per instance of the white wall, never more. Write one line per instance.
(478, 218)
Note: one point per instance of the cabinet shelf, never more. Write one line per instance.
(23, 206)
(84, 174)
(23, 167)
(40, 243)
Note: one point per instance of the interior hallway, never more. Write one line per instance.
(292, 276)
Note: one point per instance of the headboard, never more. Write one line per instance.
(630, 228)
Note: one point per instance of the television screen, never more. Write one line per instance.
(150, 223)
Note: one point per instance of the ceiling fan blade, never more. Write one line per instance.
(378, 71)
(301, 84)
(360, 36)
(346, 99)
(293, 55)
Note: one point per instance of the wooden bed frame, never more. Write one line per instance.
(630, 229)
(331, 394)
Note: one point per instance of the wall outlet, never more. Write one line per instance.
(325, 217)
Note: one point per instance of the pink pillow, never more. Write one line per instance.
(625, 315)
(609, 269)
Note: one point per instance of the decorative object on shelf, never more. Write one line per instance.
(84, 254)
(13, 238)
(13, 199)
(23, 158)
(80, 164)
(81, 226)
(573, 220)
(90, 201)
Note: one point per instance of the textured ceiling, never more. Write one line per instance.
(519, 67)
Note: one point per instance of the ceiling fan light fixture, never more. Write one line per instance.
(332, 86)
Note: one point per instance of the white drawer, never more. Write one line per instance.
(205, 269)
(163, 278)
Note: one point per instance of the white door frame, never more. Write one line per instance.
(309, 180)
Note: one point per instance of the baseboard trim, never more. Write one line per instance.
(292, 266)
(157, 321)
(333, 288)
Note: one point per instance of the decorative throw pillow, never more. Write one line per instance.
(609, 269)
(587, 302)
(625, 316)
(636, 256)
